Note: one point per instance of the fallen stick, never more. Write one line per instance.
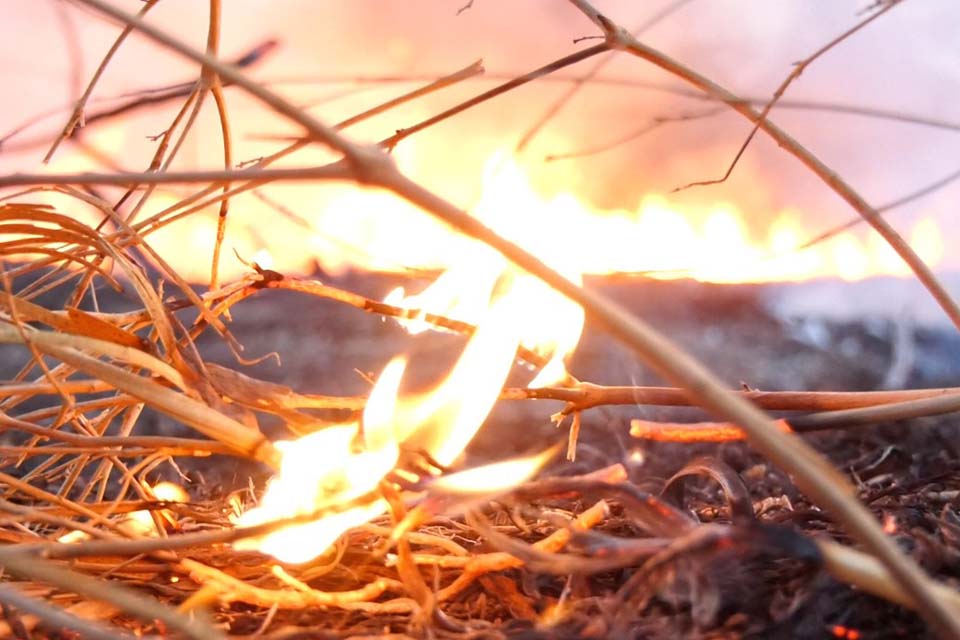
(726, 431)
(585, 396)
(867, 573)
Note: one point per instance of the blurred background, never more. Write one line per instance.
(618, 205)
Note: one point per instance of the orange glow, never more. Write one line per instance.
(691, 432)
(141, 524)
(845, 633)
(547, 323)
(329, 468)
(713, 243)
(342, 227)
(444, 421)
(494, 477)
(890, 524)
(263, 259)
(340, 467)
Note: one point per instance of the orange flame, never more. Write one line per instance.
(343, 227)
(342, 466)
(494, 477)
(444, 421)
(547, 322)
(141, 524)
(328, 468)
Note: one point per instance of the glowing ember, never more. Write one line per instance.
(141, 524)
(691, 432)
(890, 526)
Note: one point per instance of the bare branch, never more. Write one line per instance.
(579, 83)
(77, 118)
(585, 396)
(798, 69)
(830, 489)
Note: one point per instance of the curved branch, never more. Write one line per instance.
(812, 472)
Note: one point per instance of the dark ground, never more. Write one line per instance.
(905, 471)
(899, 467)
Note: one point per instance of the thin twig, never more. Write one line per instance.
(579, 83)
(812, 473)
(230, 589)
(652, 125)
(133, 602)
(216, 90)
(626, 82)
(926, 190)
(214, 177)
(143, 98)
(918, 408)
(316, 288)
(798, 69)
(840, 419)
(476, 566)
(391, 142)
(77, 117)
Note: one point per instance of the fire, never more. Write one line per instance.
(493, 477)
(330, 468)
(445, 420)
(712, 243)
(340, 468)
(548, 323)
(140, 524)
(342, 227)
(337, 472)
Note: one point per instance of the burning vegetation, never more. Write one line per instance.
(363, 515)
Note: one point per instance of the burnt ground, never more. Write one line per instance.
(909, 472)
(906, 470)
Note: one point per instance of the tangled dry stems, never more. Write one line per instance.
(103, 369)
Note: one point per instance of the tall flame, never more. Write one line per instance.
(444, 421)
(547, 322)
(343, 227)
(339, 468)
(327, 469)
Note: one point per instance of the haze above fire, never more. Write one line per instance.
(769, 203)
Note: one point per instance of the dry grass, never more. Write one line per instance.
(78, 465)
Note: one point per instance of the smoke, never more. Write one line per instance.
(904, 62)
